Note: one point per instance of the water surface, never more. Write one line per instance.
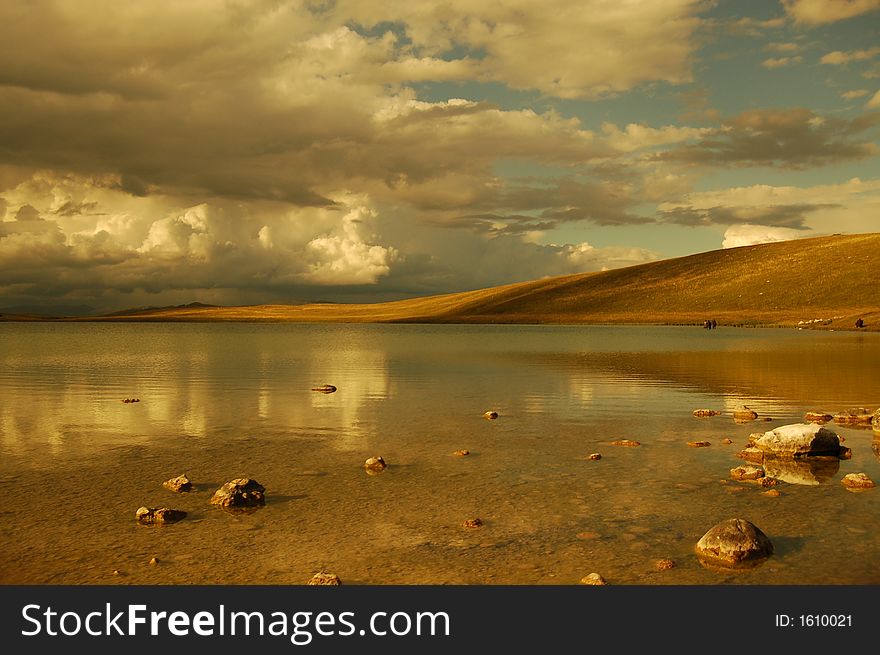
(221, 401)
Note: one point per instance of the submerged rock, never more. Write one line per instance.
(593, 579)
(156, 515)
(473, 523)
(798, 440)
(857, 481)
(734, 543)
(854, 416)
(375, 464)
(239, 494)
(701, 413)
(698, 444)
(817, 417)
(325, 388)
(747, 473)
(727, 442)
(664, 564)
(324, 579)
(464, 452)
(875, 421)
(626, 443)
(594, 457)
(751, 454)
(491, 415)
(180, 484)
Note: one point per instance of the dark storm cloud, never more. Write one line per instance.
(789, 216)
(785, 138)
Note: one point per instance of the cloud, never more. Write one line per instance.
(839, 58)
(782, 47)
(788, 216)
(855, 93)
(786, 138)
(818, 12)
(781, 62)
(874, 102)
(751, 235)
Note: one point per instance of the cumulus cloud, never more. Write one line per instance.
(781, 62)
(751, 235)
(839, 58)
(818, 12)
(788, 138)
(853, 94)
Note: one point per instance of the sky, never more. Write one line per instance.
(285, 151)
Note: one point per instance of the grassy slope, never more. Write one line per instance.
(769, 284)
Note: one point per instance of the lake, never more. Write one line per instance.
(221, 401)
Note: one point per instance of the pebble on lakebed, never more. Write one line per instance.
(323, 578)
(727, 442)
(701, 413)
(154, 561)
(664, 564)
(325, 388)
(491, 415)
(594, 457)
(626, 443)
(473, 523)
(180, 484)
(375, 464)
(734, 543)
(593, 579)
(156, 515)
(239, 494)
(464, 452)
(698, 444)
(857, 481)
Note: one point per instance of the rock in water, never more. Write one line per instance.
(464, 452)
(593, 579)
(744, 414)
(156, 515)
(180, 484)
(798, 440)
(375, 464)
(491, 415)
(747, 473)
(239, 494)
(701, 413)
(817, 417)
(698, 444)
(473, 523)
(324, 578)
(664, 564)
(594, 457)
(855, 416)
(324, 388)
(875, 421)
(734, 543)
(626, 443)
(857, 481)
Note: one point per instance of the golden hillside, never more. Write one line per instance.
(770, 284)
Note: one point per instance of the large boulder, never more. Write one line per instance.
(240, 493)
(798, 440)
(734, 543)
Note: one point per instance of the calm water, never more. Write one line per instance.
(224, 401)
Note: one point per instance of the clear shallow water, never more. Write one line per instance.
(221, 401)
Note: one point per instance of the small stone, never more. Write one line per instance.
(325, 388)
(664, 564)
(701, 413)
(154, 561)
(747, 473)
(817, 417)
(773, 493)
(375, 464)
(323, 578)
(845, 453)
(751, 454)
(587, 535)
(626, 443)
(239, 494)
(744, 414)
(768, 481)
(593, 579)
(464, 452)
(854, 416)
(116, 572)
(698, 444)
(857, 481)
(156, 515)
(180, 484)
(734, 543)
(727, 442)
(473, 523)
(595, 457)
(491, 415)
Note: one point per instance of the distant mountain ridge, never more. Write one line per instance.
(820, 282)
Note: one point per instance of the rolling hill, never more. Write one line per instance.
(833, 278)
